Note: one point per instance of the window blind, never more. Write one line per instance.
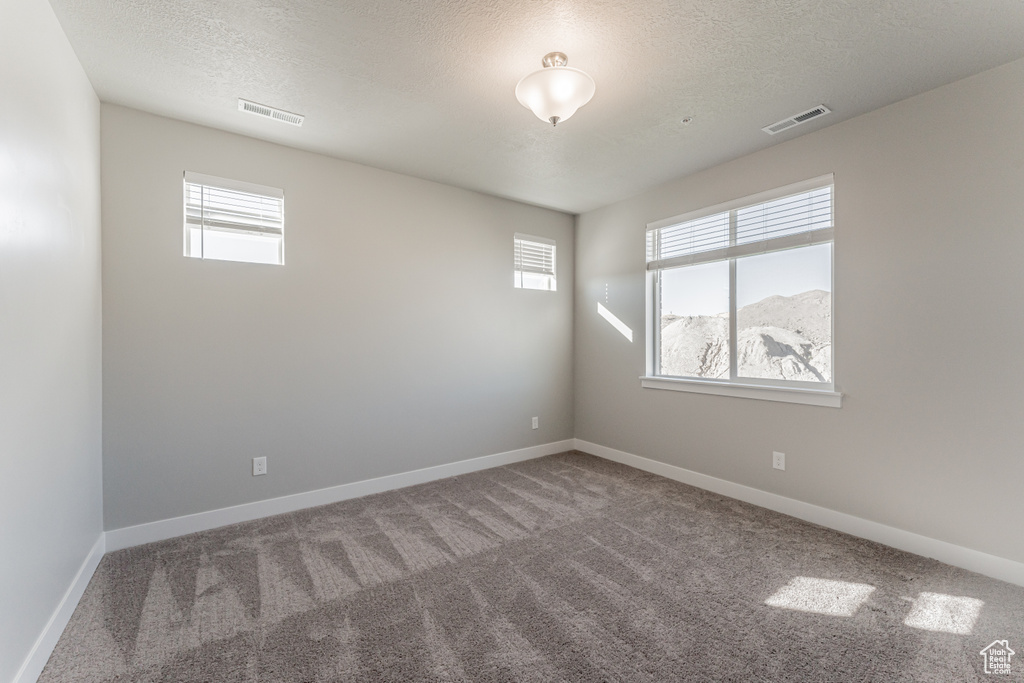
(534, 255)
(216, 208)
(799, 217)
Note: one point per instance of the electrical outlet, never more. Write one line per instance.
(259, 466)
(536, 423)
(778, 460)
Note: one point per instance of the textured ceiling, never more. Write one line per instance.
(425, 87)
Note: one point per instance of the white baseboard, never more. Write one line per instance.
(47, 640)
(126, 537)
(958, 556)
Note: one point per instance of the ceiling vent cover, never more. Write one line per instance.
(270, 112)
(802, 117)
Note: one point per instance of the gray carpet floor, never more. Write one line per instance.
(565, 568)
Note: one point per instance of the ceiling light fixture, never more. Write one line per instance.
(555, 92)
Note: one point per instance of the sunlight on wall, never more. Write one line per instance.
(944, 613)
(615, 322)
(821, 596)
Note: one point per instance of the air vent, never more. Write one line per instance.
(802, 117)
(270, 112)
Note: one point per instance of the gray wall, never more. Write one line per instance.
(50, 466)
(391, 340)
(929, 201)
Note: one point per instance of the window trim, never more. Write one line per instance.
(811, 397)
(788, 391)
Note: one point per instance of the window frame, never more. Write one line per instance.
(789, 391)
(231, 185)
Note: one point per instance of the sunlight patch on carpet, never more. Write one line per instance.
(821, 596)
(944, 613)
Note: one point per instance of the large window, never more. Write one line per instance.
(740, 297)
(229, 220)
(533, 262)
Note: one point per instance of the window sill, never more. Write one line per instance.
(810, 397)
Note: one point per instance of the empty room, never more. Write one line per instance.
(526, 341)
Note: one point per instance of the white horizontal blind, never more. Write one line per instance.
(216, 208)
(231, 220)
(692, 237)
(783, 222)
(534, 255)
(534, 262)
(804, 212)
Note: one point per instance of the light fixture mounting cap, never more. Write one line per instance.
(554, 59)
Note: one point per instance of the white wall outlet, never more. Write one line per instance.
(259, 466)
(536, 423)
(778, 460)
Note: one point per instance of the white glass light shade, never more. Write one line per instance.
(555, 92)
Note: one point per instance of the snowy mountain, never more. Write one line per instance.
(777, 338)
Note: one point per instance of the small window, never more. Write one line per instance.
(740, 295)
(230, 220)
(534, 266)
